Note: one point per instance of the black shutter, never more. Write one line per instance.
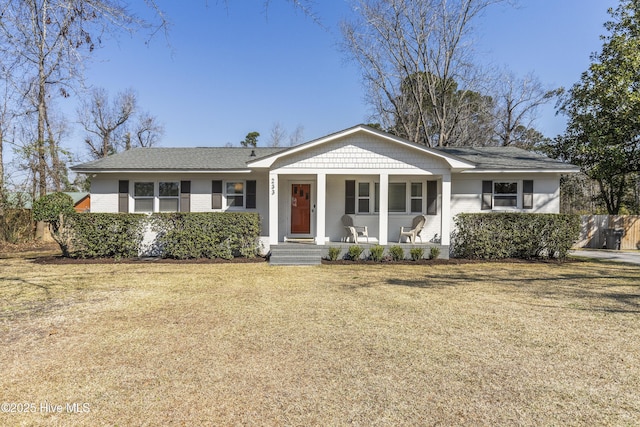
(251, 195)
(216, 194)
(487, 195)
(527, 194)
(350, 197)
(185, 196)
(123, 196)
(432, 197)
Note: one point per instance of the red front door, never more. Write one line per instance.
(300, 209)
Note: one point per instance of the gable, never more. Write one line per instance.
(361, 151)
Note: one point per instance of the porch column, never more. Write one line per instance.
(383, 225)
(446, 210)
(321, 208)
(273, 208)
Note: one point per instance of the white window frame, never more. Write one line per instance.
(176, 197)
(155, 197)
(504, 196)
(369, 197)
(407, 192)
(420, 197)
(151, 197)
(226, 195)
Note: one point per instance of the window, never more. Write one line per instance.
(416, 197)
(168, 194)
(234, 193)
(505, 194)
(143, 193)
(364, 197)
(397, 197)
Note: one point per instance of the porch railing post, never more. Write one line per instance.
(383, 225)
(321, 208)
(446, 210)
(273, 208)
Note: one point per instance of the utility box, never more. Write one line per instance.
(613, 237)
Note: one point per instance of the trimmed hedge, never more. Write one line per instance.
(106, 235)
(207, 235)
(514, 235)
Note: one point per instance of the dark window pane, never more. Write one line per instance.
(237, 201)
(397, 197)
(505, 201)
(168, 189)
(505, 188)
(143, 189)
(416, 189)
(416, 205)
(363, 205)
(363, 189)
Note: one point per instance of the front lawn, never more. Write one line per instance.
(250, 344)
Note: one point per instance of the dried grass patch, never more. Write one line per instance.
(207, 344)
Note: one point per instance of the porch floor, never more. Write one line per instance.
(307, 253)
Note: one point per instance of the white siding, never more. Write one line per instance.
(104, 191)
(359, 152)
(466, 190)
(104, 194)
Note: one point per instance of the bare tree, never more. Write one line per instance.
(50, 40)
(147, 132)
(277, 136)
(518, 100)
(414, 54)
(297, 136)
(103, 120)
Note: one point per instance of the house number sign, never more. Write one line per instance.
(273, 186)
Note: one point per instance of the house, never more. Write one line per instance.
(383, 181)
(81, 200)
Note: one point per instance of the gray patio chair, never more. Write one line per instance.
(414, 231)
(354, 230)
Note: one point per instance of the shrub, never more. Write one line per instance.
(355, 251)
(434, 252)
(207, 234)
(396, 252)
(106, 235)
(514, 235)
(376, 252)
(52, 209)
(333, 253)
(417, 253)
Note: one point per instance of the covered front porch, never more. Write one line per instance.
(310, 207)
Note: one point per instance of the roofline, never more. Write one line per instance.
(268, 161)
(142, 171)
(573, 170)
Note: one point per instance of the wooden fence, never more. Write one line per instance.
(592, 231)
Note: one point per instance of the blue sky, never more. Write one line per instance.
(235, 68)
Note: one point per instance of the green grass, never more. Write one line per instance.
(212, 344)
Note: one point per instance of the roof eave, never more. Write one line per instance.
(143, 171)
(522, 171)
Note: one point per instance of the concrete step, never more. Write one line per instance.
(295, 256)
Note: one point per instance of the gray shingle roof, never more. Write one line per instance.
(180, 159)
(226, 158)
(506, 158)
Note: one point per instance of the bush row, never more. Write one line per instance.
(179, 235)
(514, 235)
(376, 253)
(104, 235)
(207, 235)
